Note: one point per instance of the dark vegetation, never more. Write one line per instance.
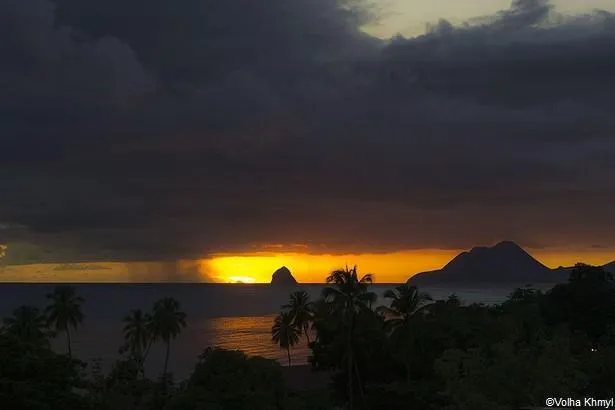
(407, 353)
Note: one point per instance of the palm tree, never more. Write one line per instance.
(64, 311)
(348, 295)
(28, 325)
(301, 310)
(406, 302)
(137, 336)
(285, 333)
(322, 318)
(347, 292)
(167, 322)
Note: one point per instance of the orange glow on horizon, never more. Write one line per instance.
(313, 268)
(557, 258)
(393, 267)
(241, 279)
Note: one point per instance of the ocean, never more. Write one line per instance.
(233, 316)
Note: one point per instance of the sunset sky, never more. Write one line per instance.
(203, 140)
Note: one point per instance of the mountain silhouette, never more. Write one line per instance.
(283, 277)
(610, 267)
(505, 263)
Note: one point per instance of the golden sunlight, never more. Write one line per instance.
(241, 279)
(392, 267)
(554, 258)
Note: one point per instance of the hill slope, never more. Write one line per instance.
(505, 263)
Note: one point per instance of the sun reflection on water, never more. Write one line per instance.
(252, 335)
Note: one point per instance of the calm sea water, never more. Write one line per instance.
(230, 316)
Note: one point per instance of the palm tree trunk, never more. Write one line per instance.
(307, 335)
(166, 358)
(356, 371)
(350, 392)
(350, 364)
(407, 363)
(139, 358)
(288, 348)
(70, 350)
(413, 343)
(149, 346)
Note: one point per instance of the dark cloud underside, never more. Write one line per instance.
(165, 130)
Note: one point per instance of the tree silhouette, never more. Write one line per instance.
(590, 276)
(229, 379)
(348, 295)
(321, 317)
(405, 302)
(453, 300)
(285, 333)
(28, 325)
(65, 311)
(586, 303)
(301, 310)
(166, 324)
(137, 336)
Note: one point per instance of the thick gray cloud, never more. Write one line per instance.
(156, 130)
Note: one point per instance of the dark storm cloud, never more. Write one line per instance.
(44, 64)
(157, 130)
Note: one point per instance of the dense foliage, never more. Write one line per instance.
(415, 354)
(32, 377)
(230, 380)
(410, 353)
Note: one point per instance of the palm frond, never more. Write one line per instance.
(329, 293)
(387, 311)
(367, 278)
(390, 294)
(284, 332)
